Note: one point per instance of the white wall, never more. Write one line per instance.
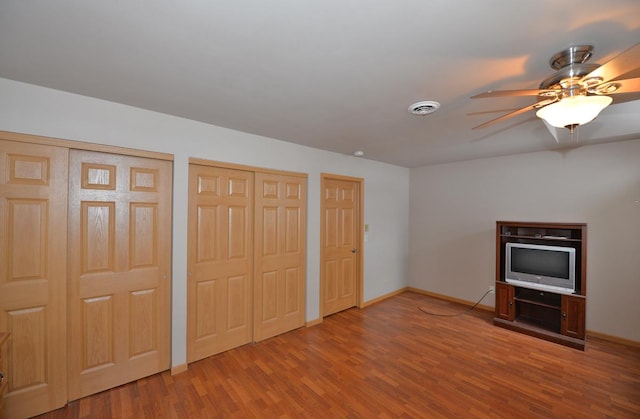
(454, 208)
(35, 110)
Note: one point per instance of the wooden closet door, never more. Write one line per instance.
(280, 278)
(33, 236)
(220, 260)
(119, 269)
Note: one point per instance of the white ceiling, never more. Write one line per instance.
(331, 74)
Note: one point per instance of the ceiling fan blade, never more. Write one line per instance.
(536, 105)
(484, 112)
(524, 92)
(507, 116)
(617, 66)
(626, 97)
(626, 86)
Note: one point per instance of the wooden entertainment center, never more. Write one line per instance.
(555, 316)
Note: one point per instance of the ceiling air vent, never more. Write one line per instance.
(425, 107)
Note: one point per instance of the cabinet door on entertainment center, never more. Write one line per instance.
(504, 301)
(573, 316)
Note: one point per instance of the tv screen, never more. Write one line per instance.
(541, 267)
(540, 262)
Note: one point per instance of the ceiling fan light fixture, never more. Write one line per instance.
(573, 110)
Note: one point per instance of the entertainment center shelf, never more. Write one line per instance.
(540, 238)
(547, 312)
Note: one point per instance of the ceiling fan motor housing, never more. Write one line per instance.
(578, 54)
(572, 67)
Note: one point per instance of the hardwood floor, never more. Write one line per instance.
(389, 360)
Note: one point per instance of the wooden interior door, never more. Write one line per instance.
(119, 269)
(339, 244)
(220, 260)
(280, 226)
(33, 275)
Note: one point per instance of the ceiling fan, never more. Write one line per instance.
(577, 92)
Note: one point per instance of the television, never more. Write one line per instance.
(551, 268)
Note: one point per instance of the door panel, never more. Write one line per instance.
(340, 242)
(573, 309)
(220, 260)
(505, 308)
(33, 274)
(280, 224)
(119, 269)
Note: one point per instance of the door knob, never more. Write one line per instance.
(354, 250)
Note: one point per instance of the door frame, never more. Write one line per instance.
(359, 238)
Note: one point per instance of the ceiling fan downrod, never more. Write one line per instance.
(571, 65)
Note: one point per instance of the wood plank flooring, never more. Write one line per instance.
(389, 360)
